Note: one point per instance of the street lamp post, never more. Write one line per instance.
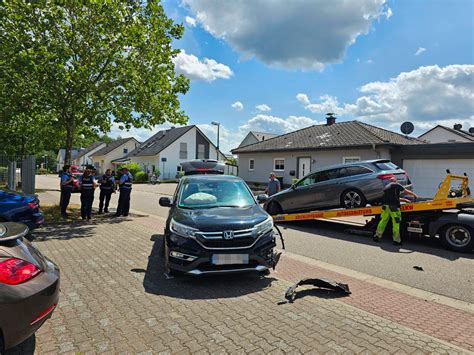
(218, 127)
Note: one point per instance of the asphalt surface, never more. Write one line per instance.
(445, 272)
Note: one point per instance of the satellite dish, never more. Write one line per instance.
(407, 127)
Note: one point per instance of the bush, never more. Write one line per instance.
(295, 181)
(134, 168)
(43, 171)
(157, 173)
(141, 176)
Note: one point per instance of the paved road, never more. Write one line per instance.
(446, 273)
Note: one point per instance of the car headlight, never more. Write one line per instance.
(265, 227)
(182, 230)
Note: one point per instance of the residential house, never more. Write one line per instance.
(294, 155)
(61, 158)
(166, 149)
(84, 156)
(112, 154)
(440, 134)
(255, 137)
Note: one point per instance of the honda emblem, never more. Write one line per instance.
(228, 234)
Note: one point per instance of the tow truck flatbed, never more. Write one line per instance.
(427, 217)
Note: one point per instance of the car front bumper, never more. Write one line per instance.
(24, 308)
(197, 260)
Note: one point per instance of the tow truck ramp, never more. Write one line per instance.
(447, 215)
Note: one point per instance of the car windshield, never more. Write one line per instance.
(206, 193)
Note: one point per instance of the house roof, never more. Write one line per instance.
(460, 132)
(159, 141)
(337, 135)
(261, 136)
(112, 146)
(90, 148)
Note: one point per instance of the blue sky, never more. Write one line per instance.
(381, 62)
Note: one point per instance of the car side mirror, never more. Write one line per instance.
(262, 198)
(166, 202)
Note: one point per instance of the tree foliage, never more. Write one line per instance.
(72, 69)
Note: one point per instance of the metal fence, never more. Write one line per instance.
(17, 173)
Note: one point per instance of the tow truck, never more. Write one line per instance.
(450, 215)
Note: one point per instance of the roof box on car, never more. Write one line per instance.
(203, 166)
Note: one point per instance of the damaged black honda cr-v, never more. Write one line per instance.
(215, 225)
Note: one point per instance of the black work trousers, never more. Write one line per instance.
(104, 195)
(123, 203)
(64, 200)
(87, 198)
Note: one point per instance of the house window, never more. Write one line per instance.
(251, 164)
(153, 168)
(201, 151)
(278, 164)
(183, 150)
(125, 150)
(347, 160)
(179, 168)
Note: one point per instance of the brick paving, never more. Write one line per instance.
(115, 299)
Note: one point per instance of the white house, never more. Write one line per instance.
(61, 158)
(443, 134)
(167, 149)
(84, 156)
(109, 156)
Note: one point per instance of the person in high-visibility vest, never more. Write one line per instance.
(88, 185)
(125, 187)
(391, 209)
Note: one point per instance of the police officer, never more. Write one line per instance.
(391, 209)
(67, 184)
(88, 184)
(107, 187)
(125, 186)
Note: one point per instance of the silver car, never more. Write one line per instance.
(345, 185)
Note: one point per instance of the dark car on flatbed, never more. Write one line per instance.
(216, 225)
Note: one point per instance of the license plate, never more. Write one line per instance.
(230, 259)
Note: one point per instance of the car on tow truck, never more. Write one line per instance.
(29, 286)
(216, 225)
(17, 207)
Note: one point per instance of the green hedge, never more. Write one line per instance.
(141, 176)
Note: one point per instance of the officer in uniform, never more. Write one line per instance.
(67, 184)
(107, 187)
(391, 209)
(125, 186)
(88, 184)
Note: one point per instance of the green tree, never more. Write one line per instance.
(73, 68)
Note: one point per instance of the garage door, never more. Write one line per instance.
(427, 174)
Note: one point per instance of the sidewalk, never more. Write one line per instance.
(115, 299)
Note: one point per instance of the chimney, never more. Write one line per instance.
(330, 118)
(457, 126)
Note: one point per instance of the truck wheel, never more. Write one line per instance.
(457, 237)
(353, 198)
(274, 208)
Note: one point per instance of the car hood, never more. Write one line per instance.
(221, 218)
(15, 196)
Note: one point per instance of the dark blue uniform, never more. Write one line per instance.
(125, 184)
(66, 190)
(107, 186)
(87, 195)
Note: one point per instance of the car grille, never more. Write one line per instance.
(244, 238)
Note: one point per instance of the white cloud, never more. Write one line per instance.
(292, 34)
(369, 61)
(238, 106)
(195, 69)
(388, 13)
(191, 21)
(263, 108)
(420, 50)
(303, 98)
(426, 96)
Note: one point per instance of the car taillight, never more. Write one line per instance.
(15, 271)
(385, 176)
(33, 205)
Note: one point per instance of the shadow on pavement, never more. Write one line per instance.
(411, 244)
(26, 348)
(201, 287)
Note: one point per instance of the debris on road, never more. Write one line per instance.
(419, 268)
(290, 294)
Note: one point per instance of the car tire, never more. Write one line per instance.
(274, 208)
(457, 237)
(353, 198)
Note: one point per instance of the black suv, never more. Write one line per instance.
(215, 225)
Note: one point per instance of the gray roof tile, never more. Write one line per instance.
(111, 146)
(158, 142)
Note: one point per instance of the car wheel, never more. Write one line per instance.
(457, 237)
(353, 198)
(274, 208)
